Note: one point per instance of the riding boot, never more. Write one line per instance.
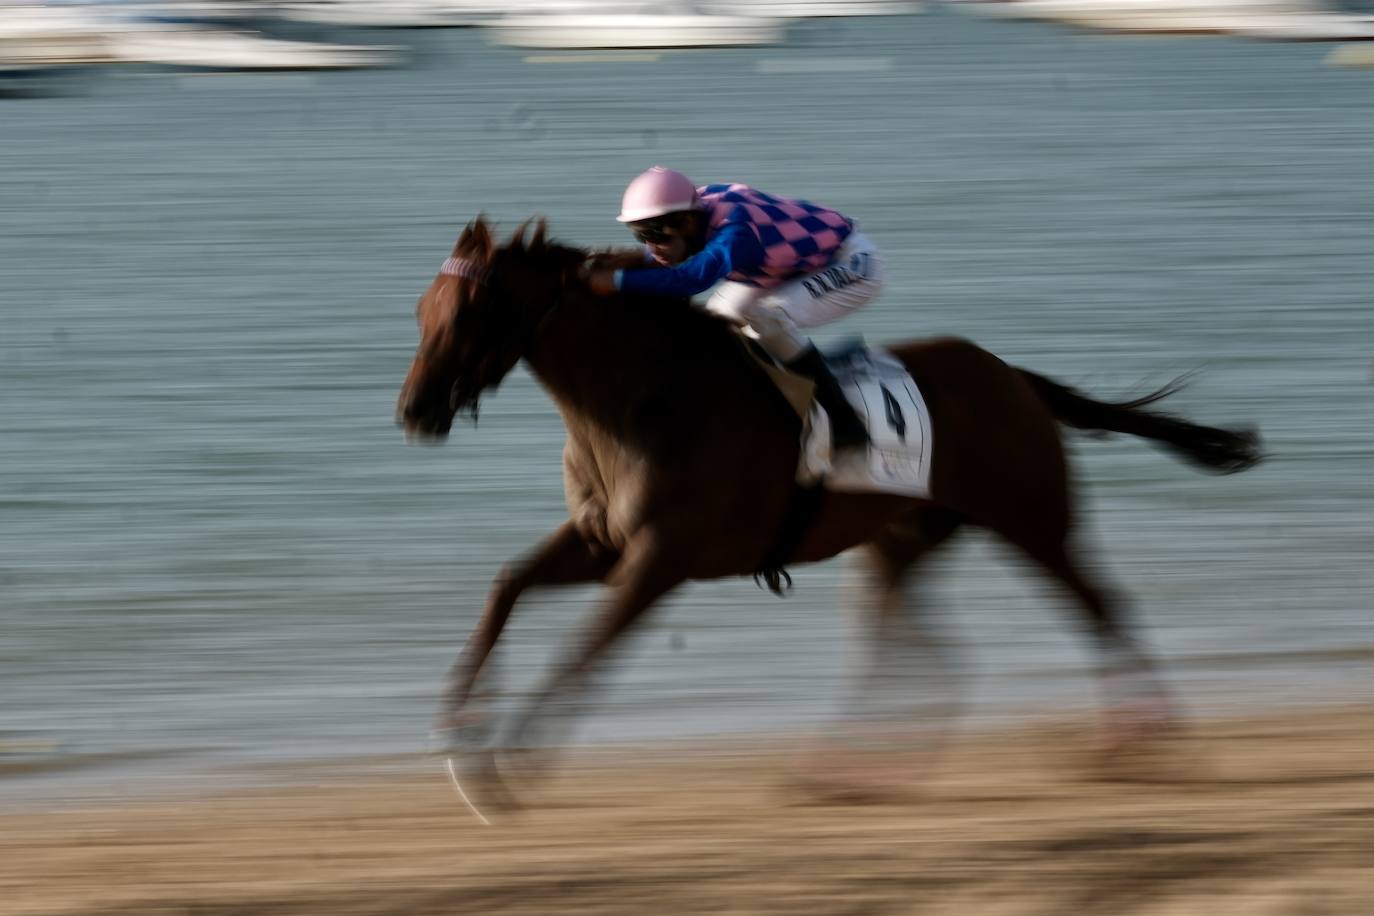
(846, 429)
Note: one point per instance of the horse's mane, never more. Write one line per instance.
(652, 315)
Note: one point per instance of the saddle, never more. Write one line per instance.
(898, 457)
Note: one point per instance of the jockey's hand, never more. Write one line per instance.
(601, 280)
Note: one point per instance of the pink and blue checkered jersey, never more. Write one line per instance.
(752, 238)
(797, 237)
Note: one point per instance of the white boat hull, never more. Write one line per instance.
(35, 38)
(812, 9)
(1277, 19)
(398, 14)
(213, 49)
(635, 30)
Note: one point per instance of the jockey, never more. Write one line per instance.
(785, 265)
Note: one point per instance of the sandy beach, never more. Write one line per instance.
(1269, 815)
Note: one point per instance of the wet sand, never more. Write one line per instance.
(1247, 816)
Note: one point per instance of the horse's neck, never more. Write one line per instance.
(581, 356)
(597, 357)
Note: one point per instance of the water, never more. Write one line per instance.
(216, 547)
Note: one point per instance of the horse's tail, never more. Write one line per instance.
(1223, 450)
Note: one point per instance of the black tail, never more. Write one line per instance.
(1222, 450)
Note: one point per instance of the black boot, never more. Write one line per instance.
(846, 429)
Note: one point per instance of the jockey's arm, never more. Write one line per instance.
(733, 247)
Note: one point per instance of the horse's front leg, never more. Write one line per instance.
(564, 558)
(648, 570)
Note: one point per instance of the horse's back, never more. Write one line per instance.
(962, 374)
(994, 440)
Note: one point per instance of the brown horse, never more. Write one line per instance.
(680, 457)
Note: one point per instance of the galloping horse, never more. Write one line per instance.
(680, 458)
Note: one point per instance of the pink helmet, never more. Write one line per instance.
(656, 192)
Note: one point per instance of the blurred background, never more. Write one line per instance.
(215, 547)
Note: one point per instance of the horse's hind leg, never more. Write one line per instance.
(903, 689)
(564, 558)
(1137, 705)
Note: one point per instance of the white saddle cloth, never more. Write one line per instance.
(897, 459)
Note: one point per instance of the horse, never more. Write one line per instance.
(680, 462)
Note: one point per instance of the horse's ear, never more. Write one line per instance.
(476, 238)
(540, 228)
(518, 239)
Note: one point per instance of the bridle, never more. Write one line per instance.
(471, 270)
(479, 275)
(462, 267)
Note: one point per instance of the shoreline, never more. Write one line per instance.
(1253, 814)
(49, 778)
(37, 770)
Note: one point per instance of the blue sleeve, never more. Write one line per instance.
(733, 247)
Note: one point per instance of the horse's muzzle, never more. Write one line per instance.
(423, 434)
(422, 422)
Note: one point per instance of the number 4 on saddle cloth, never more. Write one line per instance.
(898, 457)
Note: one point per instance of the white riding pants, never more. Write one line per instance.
(851, 280)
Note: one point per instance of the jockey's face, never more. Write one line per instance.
(671, 238)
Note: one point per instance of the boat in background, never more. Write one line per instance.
(392, 14)
(39, 38)
(191, 46)
(205, 36)
(812, 9)
(1273, 19)
(582, 26)
(459, 13)
(1307, 24)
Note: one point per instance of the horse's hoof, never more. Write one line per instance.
(1144, 744)
(855, 778)
(478, 783)
(827, 787)
(523, 766)
(1134, 726)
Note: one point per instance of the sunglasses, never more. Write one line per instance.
(655, 233)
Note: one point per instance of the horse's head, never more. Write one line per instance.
(477, 319)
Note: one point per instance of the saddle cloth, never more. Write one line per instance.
(898, 457)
